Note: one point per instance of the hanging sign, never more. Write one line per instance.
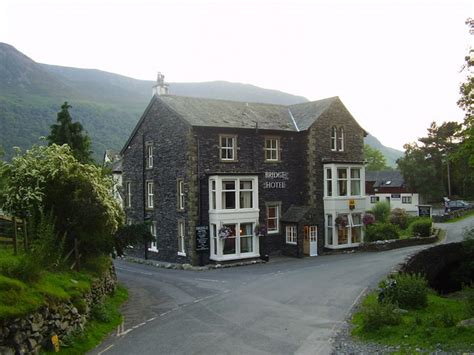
(202, 238)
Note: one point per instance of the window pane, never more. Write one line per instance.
(246, 199)
(329, 229)
(246, 245)
(246, 185)
(228, 200)
(271, 212)
(228, 185)
(342, 173)
(355, 173)
(355, 187)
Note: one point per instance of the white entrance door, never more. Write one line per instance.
(313, 240)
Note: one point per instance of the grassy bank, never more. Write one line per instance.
(429, 328)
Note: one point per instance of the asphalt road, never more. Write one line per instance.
(287, 306)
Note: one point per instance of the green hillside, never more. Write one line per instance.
(108, 105)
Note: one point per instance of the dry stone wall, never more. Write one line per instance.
(31, 333)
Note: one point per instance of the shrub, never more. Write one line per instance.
(470, 300)
(399, 217)
(381, 211)
(24, 267)
(381, 231)
(99, 313)
(421, 227)
(377, 315)
(406, 290)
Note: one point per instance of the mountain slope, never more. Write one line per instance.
(390, 154)
(108, 105)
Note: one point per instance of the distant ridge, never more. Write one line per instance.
(107, 104)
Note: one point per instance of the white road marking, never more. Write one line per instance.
(106, 349)
(210, 280)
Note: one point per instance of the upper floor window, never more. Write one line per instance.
(340, 140)
(180, 188)
(149, 194)
(337, 139)
(334, 138)
(228, 147)
(272, 149)
(228, 193)
(273, 217)
(149, 155)
(128, 197)
(343, 181)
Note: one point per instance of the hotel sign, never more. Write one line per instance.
(275, 180)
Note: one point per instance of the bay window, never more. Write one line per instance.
(347, 228)
(343, 181)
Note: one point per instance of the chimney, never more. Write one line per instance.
(160, 88)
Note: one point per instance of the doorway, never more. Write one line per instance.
(310, 246)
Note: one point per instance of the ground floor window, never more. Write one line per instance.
(406, 199)
(153, 245)
(346, 230)
(273, 217)
(233, 240)
(181, 250)
(290, 234)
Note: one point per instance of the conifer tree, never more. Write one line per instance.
(72, 134)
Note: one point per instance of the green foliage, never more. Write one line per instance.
(67, 132)
(130, 235)
(16, 298)
(377, 315)
(375, 159)
(469, 292)
(408, 291)
(106, 319)
(399, 217)
(381, 231)
(381, 211)
(46, 246)
(99, 313)
(428, 329)
(421, 227)
(77, 195)
(24, 267)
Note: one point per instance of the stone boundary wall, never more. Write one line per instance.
(429, 262)
(451, 215)
(28, 334)
(381, 245)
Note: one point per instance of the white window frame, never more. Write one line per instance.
(149, 195)
(329, 191)
(341, 179)
(340, 140)
(291, 235)
(333, 181)
(407, 200)
(237, 190)
(329, 230)
(374, 199)
(334, 138)
(180, 194)
(149, 155)
(272, 150)
(181, 231)
(277, 206)
(128, 199)
(332, 228)
(153, 231)
(355, 179)
(230, 150)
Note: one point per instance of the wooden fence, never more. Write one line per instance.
(13, 231)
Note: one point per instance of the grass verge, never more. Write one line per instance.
(105, 318)
(457, 219)
(433, 327)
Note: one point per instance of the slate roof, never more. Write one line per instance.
(386, 178)
(223, 113)
(295, 214)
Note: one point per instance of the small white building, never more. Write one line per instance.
(390, 186)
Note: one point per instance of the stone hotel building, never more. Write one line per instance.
(258, 178)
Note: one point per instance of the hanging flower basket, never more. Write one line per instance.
(224, 232)
(341, 221)
(368, 219)
(260, 230)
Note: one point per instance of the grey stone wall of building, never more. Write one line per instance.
(319, 151)
(169, 135)
(251, 161)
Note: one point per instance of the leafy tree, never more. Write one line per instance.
(67, 132)
(427, 166)
(50, 180)
(3, 177)
(375, 159)
(465, 155)
(132, 235)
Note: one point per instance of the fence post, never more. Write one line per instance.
(76, 254)
(15, 239)
(25, 235)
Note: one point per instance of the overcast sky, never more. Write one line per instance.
(395, 65)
